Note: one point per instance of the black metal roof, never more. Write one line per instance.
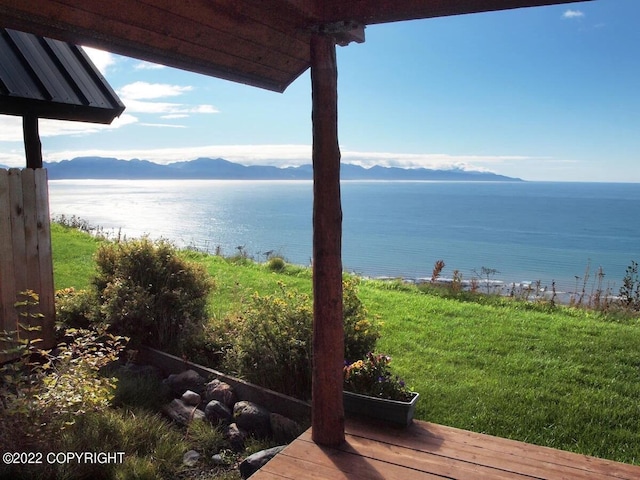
(52, 79)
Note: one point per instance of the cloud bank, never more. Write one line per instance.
(295, 155)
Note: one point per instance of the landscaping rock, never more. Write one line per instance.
(191, 398)
(209, 388)
(190, 458)
(283, 429)
(239, 419)
(222, 392)
(255, 462)
(217, 412)
(252, 418)
(235, 436)
(187, 380)
(181, 413)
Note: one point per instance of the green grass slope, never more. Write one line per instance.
(562, 377)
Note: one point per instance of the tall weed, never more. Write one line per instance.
(630, 290)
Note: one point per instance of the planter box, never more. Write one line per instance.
(392, 411)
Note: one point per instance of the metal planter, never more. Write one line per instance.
(392, 411)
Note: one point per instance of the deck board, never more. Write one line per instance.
(426, 451)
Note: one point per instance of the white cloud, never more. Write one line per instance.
(162, 125)
(204, 109)
(137, 106)
(11, 127)
(427, 160)
(52, 128)
(101, 59)
(142, 65)
(146, 91)
(13, 158)
(136, 95)
(121, 121)
(573, 14)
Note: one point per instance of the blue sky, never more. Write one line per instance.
(548, 93)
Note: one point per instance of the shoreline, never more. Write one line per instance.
(526, 290)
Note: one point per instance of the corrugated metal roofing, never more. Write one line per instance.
(52, 79)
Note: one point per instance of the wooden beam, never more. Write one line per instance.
(327, 413)
(32, 145)
(264, 44)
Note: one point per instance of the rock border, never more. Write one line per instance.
(273, 401)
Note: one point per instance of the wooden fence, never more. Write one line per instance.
(25, 254)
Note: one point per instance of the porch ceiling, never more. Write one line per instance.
(264, 43)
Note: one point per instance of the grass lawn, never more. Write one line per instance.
(561, 377)
(73, 250)
(567, 379)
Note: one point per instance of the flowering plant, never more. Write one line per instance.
(372, 376)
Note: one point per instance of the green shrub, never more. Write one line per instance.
(151, 294)
(276, 264)
(360, 332)
(76, 308)
(273, 343)
(272, 338)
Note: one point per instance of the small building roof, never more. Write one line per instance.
(47, 78)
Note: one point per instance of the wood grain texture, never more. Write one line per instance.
(327, 413)
(25, 253)
(375, 451)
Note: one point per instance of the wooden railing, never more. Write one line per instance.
(25, 254)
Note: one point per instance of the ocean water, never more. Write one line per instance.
(526, 231)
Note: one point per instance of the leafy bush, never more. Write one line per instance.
(272, 338)
(76, 308)
(360, 332)
(273, 343)
(149, 293)
(44, 392)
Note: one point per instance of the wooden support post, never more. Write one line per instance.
(32, 145)
(327, 414)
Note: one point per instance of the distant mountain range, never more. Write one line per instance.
(218, 168)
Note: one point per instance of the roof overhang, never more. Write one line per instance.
(264, 43)
(45, 78)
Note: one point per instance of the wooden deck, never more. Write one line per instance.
(430, 451)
